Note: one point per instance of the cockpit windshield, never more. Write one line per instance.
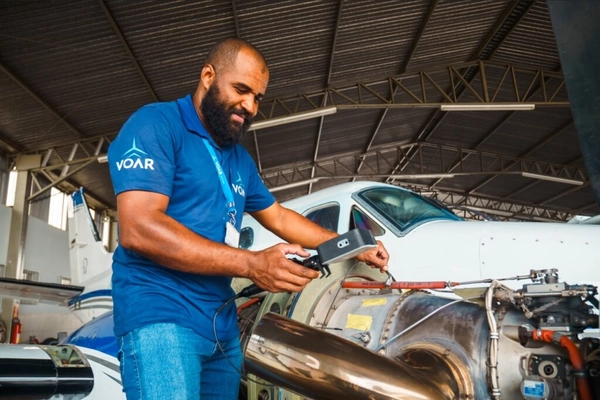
(403, 210)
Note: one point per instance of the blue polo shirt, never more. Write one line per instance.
(161, 149)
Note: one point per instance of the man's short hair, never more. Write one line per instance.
(224, 53)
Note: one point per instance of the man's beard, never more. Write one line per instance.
(217, 117)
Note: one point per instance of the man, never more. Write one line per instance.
(172, 167)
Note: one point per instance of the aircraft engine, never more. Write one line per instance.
(332, 342)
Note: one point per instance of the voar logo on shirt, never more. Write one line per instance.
(238, 186)
(132, 158)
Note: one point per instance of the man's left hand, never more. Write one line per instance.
(376, 257)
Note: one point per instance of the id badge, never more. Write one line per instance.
(232, 236)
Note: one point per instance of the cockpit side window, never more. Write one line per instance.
(402, 208)
(327, 216)
(360, 220)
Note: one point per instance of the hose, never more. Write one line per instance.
(397, 285)
(583, 386)
(248, 304)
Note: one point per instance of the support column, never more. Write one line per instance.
(114, 234)
(576, 28)
(4, 174)
(18, 230)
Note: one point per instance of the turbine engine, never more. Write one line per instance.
(341, 338)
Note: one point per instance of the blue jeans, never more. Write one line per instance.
(166, 361)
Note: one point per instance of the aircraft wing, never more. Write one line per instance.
(41, 291)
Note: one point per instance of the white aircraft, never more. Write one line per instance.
(85, 364)
(453, 344)
(428, 242)
(364, 320)
(91, 263)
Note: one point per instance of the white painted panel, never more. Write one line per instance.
(46, 251)
(574, 254)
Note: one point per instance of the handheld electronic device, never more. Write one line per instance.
(338, 249)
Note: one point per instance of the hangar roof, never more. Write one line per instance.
(73, 71)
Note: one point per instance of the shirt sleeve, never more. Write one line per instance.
(142, 157)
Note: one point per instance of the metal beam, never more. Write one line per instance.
(407, 89)
(8, 145)
(347, 98)
(258, 159)
(403, 68)
(580, 210)
(504, 209)
(62, 177)
(489, 134)
(563, 194)
(514, 12)
(415, 43)
(509, 20)
(530, 94)
(430, 160)
(82, 151)
(68, 186)
(437, 117)
(236, 20)
(132, 57)
(327, 83)
(355, 96)
(474, 205)
(39, 99)
(528, 152)
(533, 184)
(334, 42)
(91, 146)
(433, 122)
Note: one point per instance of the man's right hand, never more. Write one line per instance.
(272, 271)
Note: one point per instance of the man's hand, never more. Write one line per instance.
(272, 271)
(376, 257)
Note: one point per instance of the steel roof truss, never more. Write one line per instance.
(470, 163)
(63, 176)
(375, 94)
(327, 82)
(506, 209)
(394, 84)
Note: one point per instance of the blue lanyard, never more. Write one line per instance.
(231, 211)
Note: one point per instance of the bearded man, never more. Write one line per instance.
(183, 183)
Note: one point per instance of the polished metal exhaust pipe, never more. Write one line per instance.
(320, 365)
(44, 372)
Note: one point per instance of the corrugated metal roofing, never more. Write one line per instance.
(73, 70)
(531, 43)
(455, 32)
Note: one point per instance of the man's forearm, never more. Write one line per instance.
(295, 228)
(165, 241)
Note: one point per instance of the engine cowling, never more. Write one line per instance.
(479, 348)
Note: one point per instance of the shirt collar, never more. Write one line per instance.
(191, 120)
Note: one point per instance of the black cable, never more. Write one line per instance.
(246, 292)
(215, 332)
